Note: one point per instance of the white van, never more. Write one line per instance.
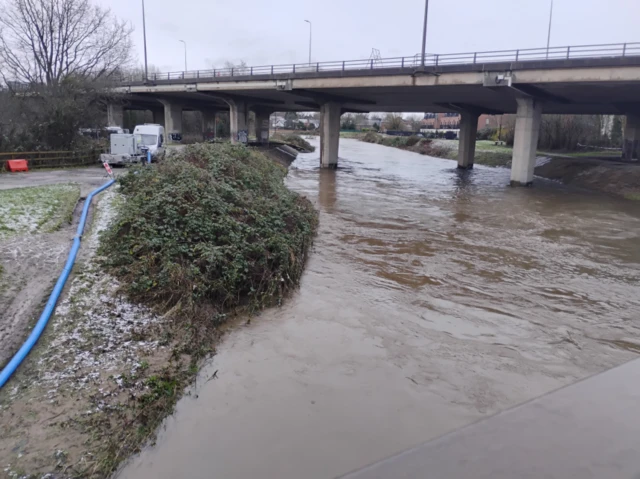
(151, 137)
(132, 148)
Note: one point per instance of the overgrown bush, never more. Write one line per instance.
(209, 230)
(486, 133)
(295, 141)
(412, 140)
(50, 117)
(372, 137)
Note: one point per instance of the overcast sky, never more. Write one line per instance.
(264, 32)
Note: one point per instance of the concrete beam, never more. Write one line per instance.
(115, 115)
(467, 144)
(540, 94)
(631, 142)
(158, 115)
(172, 121)
(238, 121)
(525, 141)
(262, 124)
(209, 123)
(329, 134)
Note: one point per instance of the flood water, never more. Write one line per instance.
(432, 298)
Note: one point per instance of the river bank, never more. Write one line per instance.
(433, 297)
(120, 350)
(599, 171)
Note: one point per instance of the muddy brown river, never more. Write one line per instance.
(432, 298)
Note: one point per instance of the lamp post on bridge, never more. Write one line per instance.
(424, 31)
(144, 36)
(310, 28)
(549, 34)
(185, 54)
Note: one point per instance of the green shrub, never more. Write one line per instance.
(412, 140)
(295, 141)
(486, 133)
(209, 229)
(372, 137)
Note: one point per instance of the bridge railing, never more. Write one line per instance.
(430, 60)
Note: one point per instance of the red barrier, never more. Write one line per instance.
(17, 165)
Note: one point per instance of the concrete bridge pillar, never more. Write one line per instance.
(209, 123)
(238, 121)
(262, 125)
(115, 115)
(467, 145)
(525, 141)
(329, 134)
(158, 115)
(631, 142)
(172, 121)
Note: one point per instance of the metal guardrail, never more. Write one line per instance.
(431, 60)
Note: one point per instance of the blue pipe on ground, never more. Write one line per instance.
(10, 368)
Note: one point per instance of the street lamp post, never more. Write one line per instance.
(424, 31)
(549, 34)
(185, 54)
(144, 36)
(309, 41)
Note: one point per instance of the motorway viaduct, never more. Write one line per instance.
(600, 85)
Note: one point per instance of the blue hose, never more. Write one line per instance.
(10, 368)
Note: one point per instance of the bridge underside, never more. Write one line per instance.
(605, 86)
(562, 98)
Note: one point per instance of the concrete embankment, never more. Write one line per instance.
(607, 176)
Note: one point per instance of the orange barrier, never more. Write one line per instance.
(17, 165)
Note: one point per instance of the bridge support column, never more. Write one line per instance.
(467, 145)
(525, 141)
(329, 134)
(262, 125)
(115, 115)
(172, 121)
(209, 123)
(238, 121)
(158, 116)
(631, 142)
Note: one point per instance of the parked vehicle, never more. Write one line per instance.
(127, 148)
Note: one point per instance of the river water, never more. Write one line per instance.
(433, 297)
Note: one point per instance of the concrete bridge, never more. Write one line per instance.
(600, 79)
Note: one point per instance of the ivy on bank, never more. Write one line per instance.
(209, 230)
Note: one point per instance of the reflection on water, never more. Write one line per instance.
(432, 297)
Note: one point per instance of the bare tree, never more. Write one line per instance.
(239, 68)
(415, 122)
(44, 41)
(393, 121)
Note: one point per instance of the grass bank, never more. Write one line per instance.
(592, 170)
(487, 153)
(293, 140)
(210, 233)
(36, 209)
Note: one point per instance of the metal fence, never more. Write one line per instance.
(53, 159)
(431, 60)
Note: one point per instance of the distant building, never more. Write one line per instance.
(451, 121)
(367, 123)
(441, 121)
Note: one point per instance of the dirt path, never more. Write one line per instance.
(31, 263)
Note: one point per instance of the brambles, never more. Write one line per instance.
(295, 141)
(209, 230)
